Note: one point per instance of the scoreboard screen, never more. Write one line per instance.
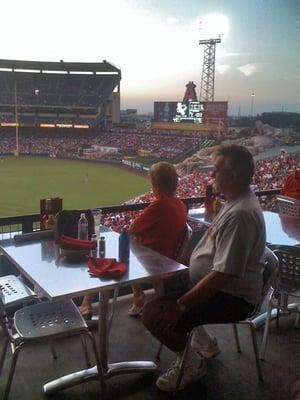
(197, 112)
(189, 111)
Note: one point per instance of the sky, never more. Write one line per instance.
(155, 43)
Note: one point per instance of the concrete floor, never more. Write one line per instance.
(231, 376)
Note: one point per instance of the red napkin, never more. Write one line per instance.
(72, 243)
(106, 267)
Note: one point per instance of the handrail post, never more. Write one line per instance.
(27, 226)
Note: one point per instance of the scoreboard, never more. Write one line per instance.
(206, 112)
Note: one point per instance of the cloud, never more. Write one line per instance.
(248, 69)
(222, 68)
(172, 20)
(232, 54)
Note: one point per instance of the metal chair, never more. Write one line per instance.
(40, 322)
(287, 284)
(269, 276)
(271, 266)
(184, 248)
(13, 293)
(288, 206)
(182, 257)
(182, 253)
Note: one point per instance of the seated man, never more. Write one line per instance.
(226, 269)
(292, 185)
(161, 225)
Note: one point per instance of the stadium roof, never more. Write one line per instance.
(44, 66)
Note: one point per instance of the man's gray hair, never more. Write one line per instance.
(240, 160)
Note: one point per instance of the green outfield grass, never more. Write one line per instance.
(25, 180)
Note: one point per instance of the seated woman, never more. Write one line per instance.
(291, 186)
(161, 225)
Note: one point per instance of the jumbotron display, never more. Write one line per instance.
(206, 112)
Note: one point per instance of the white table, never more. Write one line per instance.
(59, 278)
(280, 230)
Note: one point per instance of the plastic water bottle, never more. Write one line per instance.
(83, 227)
(94, 251)
(124, 242)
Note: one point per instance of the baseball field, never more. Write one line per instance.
(25, 180)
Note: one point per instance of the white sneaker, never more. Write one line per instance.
(209, 350)
(194, 370)
(134, 310)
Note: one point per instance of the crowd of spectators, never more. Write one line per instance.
(270, 174)
(159, 146)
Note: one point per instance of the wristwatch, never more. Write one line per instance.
(182, 307)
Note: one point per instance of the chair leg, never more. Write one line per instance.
(236, 336)
(266, 331)
(183, 361)
(255, 348)
(297, 321)
(159, 350)
(278, 310)
(53, 351)
(3, 353)
(11, 371)
(85, 351)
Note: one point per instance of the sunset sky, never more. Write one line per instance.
(155, 44)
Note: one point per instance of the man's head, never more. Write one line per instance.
(234, 169)
(164, 178)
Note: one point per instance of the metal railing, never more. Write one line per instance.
(31, 222)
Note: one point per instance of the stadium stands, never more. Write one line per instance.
(159, 146)
(270, 174)
(59, 93)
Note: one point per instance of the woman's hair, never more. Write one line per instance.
(164, 176)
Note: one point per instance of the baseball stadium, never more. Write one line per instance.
(64, 148)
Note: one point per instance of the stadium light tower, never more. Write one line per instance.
(252, 104)
(207, 87)
(16, 118)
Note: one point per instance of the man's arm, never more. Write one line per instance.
(210, 285)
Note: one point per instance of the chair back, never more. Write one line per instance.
(14, 291)
(289, 267)
(269, 274)
(180, 281)
(288, 206)
(183, 253)
(2, 307)
(4, 322)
